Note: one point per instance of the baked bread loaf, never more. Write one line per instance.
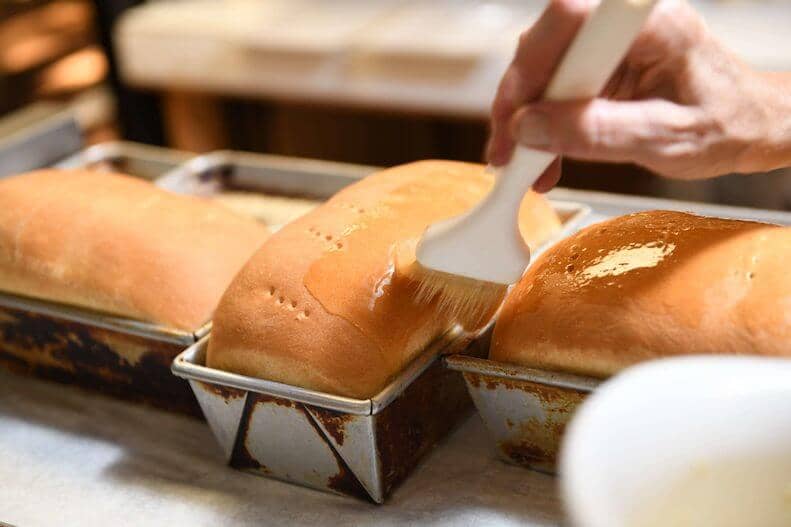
(120, 245)
(321, 305)
(649, 285)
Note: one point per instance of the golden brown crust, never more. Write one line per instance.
(649, 285)
(318, 305)
(119, 245)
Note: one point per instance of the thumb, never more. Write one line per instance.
(610, 131)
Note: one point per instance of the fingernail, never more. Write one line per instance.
(532, 128)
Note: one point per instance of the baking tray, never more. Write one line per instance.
(356, 447)
(135, 159)
(213, 174)
(297, 185)
(526, 410)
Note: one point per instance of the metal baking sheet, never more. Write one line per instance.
(135, 159)
(272, 189)
(526, 410)
(212, 174)
(354, 447)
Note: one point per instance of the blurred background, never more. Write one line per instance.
(379, 82)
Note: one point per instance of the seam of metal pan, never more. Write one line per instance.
(520, 373)
(597, 199)
(111, 322)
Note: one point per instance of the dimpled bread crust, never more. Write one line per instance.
(119, 245)
(319, 305)
(649, 285)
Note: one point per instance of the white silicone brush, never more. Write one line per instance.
(470, 260)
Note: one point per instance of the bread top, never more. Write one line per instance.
(649, 285)
(119, 245)
(321, 306)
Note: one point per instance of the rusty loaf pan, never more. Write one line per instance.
(125, 358)
(121, 357)
(360, 448)
(525, 410)
(135, 159)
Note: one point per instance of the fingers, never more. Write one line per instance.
(650, 133)
(549, 178)
(538, 53)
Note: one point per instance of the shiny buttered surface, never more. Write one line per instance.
(647, 285)
(322, 305)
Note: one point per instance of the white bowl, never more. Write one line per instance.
(655, 435)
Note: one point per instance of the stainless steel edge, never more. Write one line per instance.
(35, 137)
(202, 331)
(320, 179)
(92, 318)
(189, 365)
(490, 368)
(317, 166)
(615, 204)
(138, 152)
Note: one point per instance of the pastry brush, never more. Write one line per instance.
(469, 261)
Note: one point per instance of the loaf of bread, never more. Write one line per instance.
(120, 245)
(321, 304)
(649, 285)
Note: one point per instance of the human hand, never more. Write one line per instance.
(679, 104)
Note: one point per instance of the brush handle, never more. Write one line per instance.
(591, 59)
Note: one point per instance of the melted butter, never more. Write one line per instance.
(373, 296)
(670, 259)
(728, 493)
(623, 260)
(382, 284)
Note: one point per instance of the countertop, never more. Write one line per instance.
(74, 458)
(384, 55)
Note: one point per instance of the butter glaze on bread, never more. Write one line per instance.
(320, 306)
(119, 245)
(649, 285)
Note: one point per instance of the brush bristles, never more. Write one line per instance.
(469, 302)
(465, 301)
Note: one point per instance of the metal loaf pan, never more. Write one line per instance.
(360, 448)
(526, 410)
(117, 356)
(135, 159)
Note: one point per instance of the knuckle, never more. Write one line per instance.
(590, 129)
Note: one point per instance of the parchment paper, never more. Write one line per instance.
(73, 458)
